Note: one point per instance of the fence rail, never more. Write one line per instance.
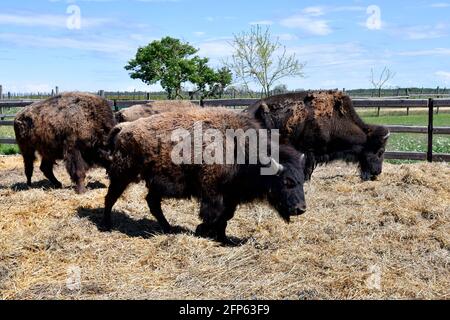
(430, 130)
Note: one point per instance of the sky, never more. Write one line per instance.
(85, 44)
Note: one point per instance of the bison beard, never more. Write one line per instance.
(326, 127)
(141, 150)
(71, 126)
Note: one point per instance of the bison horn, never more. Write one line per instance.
(277, 167)
(387, 136)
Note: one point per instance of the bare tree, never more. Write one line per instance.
(379, 83)
(259, 58)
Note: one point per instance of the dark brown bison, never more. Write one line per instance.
(139, 111)
(326, 127)
(143, 150)
(71, 126)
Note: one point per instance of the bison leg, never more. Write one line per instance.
(28, 160)
(47, 169)
(212, 212)
(115, 190)
(221, 225)
(310, 165)
(154, 203)
(76, 166)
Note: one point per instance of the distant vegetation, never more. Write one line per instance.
(241, 92)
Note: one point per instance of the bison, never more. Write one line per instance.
(136, 112)
(325, 127)
(143, 150)
(71, 126)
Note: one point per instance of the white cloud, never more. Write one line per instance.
(314, 11)
(424, 32)
(308, 19)
(47, 20)
(317, 11)
(307, 24)
(443, 74)
(440, 5)
(199, 33)
(287, 37)
(430, 52)
(215, 49)
(322, 56)
(94, 44)
(262, 22)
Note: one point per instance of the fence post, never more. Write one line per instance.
(1, 98)
(116, 107)
(9, 95)
(148, 95)
(430, 130)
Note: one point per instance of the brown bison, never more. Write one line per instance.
(326, 127)
(144, 149)
(139, 111)
(71, 126)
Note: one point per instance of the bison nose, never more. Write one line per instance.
(300, 209)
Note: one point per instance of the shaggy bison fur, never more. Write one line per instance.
(326, 127)
(71, 126)
(139, 111)
(142, 150)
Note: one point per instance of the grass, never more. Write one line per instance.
(394, 230)
(440, 120)
(410, 141)
(6, 149)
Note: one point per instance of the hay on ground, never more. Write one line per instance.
(384, 239)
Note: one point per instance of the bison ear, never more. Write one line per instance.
(368, 131)
(263, 114)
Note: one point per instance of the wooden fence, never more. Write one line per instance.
(431, 104)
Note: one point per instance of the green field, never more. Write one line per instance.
(397, 142)
(412, 141)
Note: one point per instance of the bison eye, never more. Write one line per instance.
(289, 183)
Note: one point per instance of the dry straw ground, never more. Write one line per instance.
(384, 239)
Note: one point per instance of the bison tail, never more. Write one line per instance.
(112, 138)
(23, 128)
(105, 153)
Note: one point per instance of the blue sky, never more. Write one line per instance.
(340, 41)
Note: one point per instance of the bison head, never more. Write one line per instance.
(286, 192)
(372, 156)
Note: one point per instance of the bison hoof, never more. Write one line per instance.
(57, 185)
(81, 190)
(205, 231)
(168, 230)
(105, 226)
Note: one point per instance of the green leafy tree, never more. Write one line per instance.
(210, 82)
(224, 79)
(168, 61)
